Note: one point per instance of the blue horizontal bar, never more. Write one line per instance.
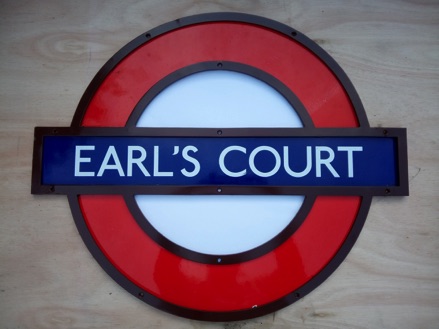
(202, 161)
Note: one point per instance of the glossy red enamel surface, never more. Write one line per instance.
(220, 287)
(303, 72)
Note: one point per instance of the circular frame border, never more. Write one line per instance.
(239, 314)
(283, 235)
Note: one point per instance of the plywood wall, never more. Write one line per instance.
(50, 51)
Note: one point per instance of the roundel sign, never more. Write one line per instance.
(220, 167)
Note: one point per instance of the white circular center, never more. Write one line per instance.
(211, 224)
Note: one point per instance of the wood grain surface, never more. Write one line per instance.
(50, 51)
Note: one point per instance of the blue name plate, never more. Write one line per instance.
(220, 159)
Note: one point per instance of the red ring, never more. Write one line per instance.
(235, 287)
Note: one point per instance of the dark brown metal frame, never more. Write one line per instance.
(399, 134)
(221, 66)
(237, 315)
(366, 194)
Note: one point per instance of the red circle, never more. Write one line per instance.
(296, 66)
(220, 288)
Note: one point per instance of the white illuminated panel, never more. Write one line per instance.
(219, 99)
(219, 224)
(225, 224)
